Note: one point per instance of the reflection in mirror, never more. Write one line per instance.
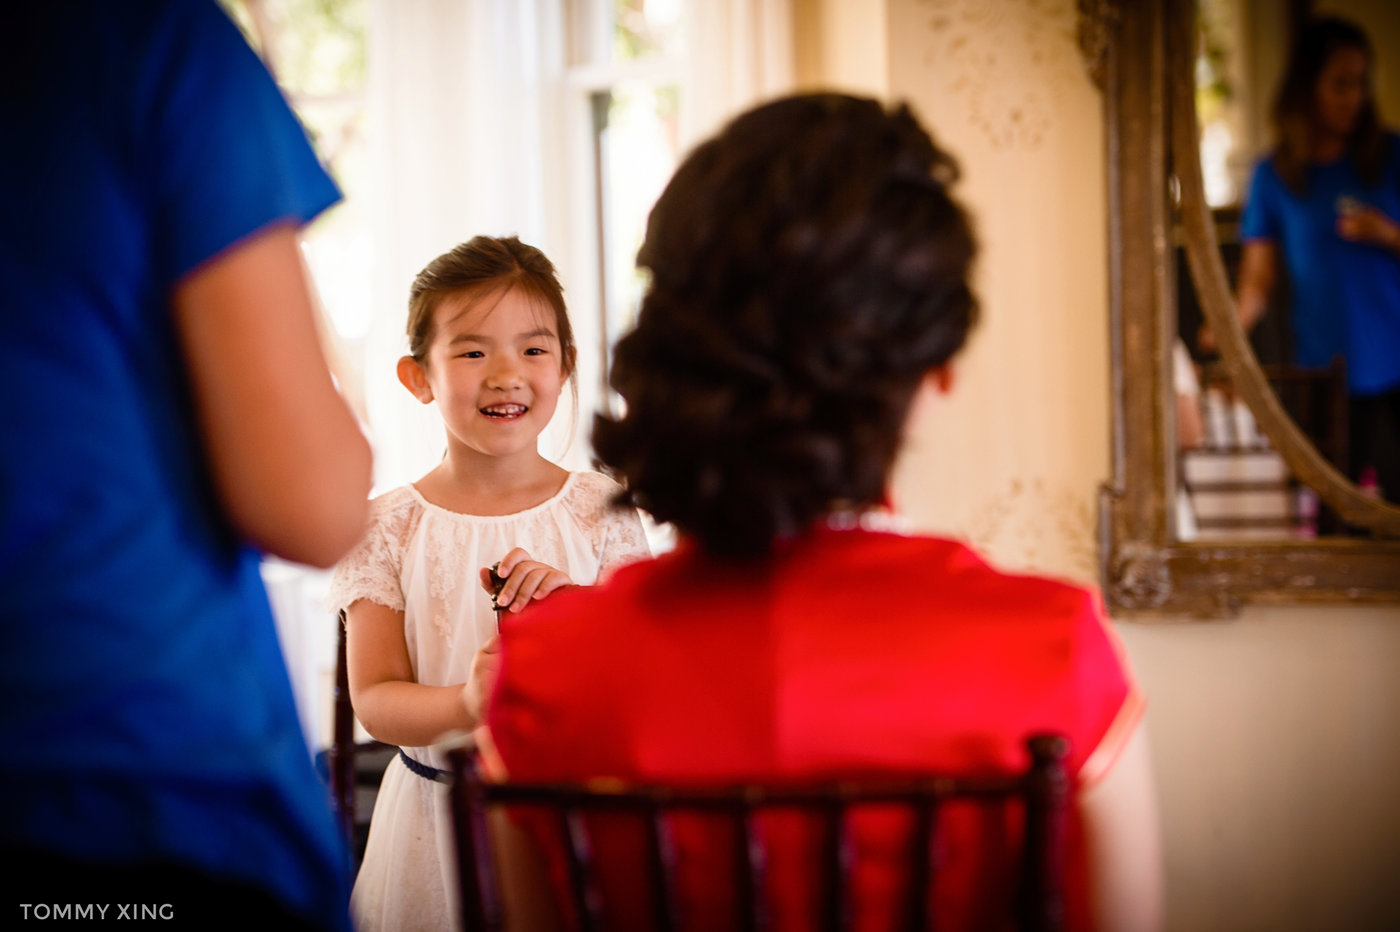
(1305, 202)
(1155, 192)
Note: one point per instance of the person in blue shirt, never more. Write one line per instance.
(1324, 209)
(168, 417)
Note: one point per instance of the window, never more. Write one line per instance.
(624, 75)
(317, 50)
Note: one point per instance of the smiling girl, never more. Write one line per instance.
(490, 344)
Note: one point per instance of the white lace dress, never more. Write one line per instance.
(425, 561)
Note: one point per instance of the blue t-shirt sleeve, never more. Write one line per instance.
(1261, 216)
(231, 156)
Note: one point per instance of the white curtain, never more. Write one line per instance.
(738, 52)
(462, 101)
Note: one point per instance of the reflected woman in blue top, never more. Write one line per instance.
(1324, 209)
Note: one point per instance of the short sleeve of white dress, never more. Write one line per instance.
(616, 530)
(372, 570)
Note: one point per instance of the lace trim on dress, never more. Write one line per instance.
(623, 536)
(451, 534)
(586, 497)
(373, 570)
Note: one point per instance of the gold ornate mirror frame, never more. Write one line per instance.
(1144, 51)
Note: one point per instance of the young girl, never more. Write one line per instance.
(490, 343)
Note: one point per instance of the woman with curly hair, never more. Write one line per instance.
(809, 291)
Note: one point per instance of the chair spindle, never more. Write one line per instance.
(583, 879)
(836, 855)
(1044, 790)
(662, 851)
(1040, 905)
(752, 865)
(921, 861)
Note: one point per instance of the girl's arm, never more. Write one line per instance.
(1124, 842)
(388, 702)
(289, 463)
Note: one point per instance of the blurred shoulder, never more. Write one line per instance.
(167, 21)
(940, 571)
(590, 496)
(1264, 173)
(394, 501)
(395, 510)
(590, 484)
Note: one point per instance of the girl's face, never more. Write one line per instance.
(495, 368)
(1341, 92)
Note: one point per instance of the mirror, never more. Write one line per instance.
(1232, 483)
(1156, 194)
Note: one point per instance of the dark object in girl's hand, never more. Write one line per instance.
(497, 583)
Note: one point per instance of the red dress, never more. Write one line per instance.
(847, 653)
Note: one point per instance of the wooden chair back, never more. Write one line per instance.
(1233, 478)
(345, 745)
(1043, 790)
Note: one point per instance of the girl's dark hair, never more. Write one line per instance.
(808, 267)
(481, 264)
(1295, 104)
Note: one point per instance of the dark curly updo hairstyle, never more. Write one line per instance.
(808, 267)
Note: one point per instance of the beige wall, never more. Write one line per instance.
(1023, 439)
(841, 44)
(1275, 741)
(1275, 735)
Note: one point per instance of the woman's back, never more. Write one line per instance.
(850, 654)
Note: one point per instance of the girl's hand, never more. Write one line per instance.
(526, 580)
(1363, 224)
(476, 691)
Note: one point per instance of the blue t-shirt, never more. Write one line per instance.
(144, 702)
(1346, 295)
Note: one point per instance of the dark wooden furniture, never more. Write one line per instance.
(1044, 789)
(345, 749)
(1316, 399)
(350, 762)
